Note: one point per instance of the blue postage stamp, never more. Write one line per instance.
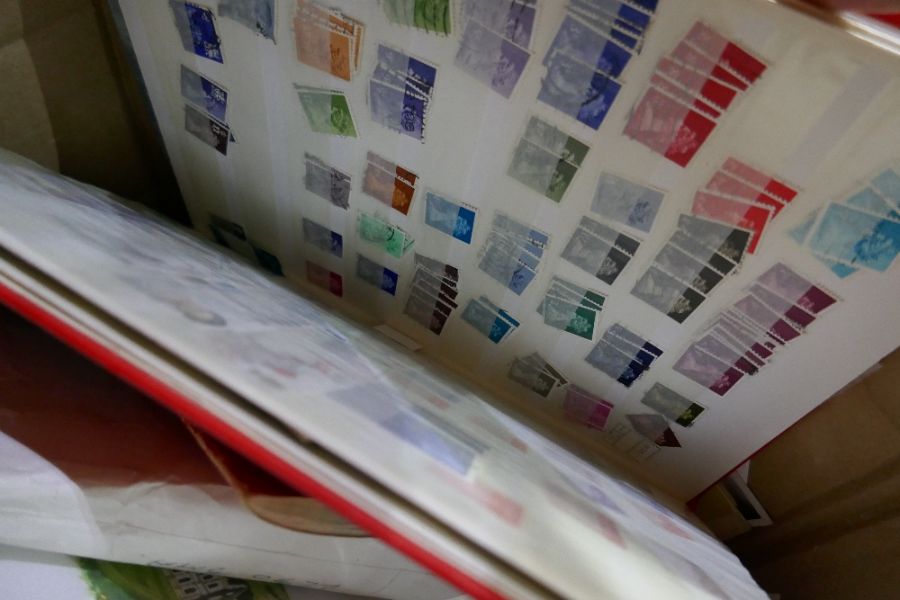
(400, 92)
(508, 265)
(256, 15)
(379, 276)
(197, 28)
(627, 202)
(404, 71)
(323, 238)
(202, 92)
(576, 90)
(624, 15)
(398, 110)
(490, 58)
(615, 363)
(870, 200)
(586, 45)
(857, 238)
(449, 217)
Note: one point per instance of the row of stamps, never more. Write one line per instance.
(536, 374)
(433, 293)
(774, 310)
(689, 91)
(623, 354)
(729, 217)
(860, 232)
(327, 39)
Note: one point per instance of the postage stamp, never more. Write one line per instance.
(555, 141)
(426, 312)
(507, 264)
(626, 202)
(536, 374)
(543, 172)
(727, 53)
(401, 70)
(728, 240)
(630, 16)
(588, 46)
(745, 215)
(723, 183)
(571, 308)
(400, 92)
(323, 238)
(699, 84)
(387, 236)
(623, 242)
(668, 127)
(196, 27)
(534, 239)
(204, 93)
(672, 405)
(442, 270)
(634, 339)
(785, 282)
(491, 58)
(398, 110)
(327, 182)
(704, 254)
(455, 219)
(780, 190)
(325, 278)
(511, 19)
(565, 315)
(432, 16)
(687, 269)
(255, 15)
(586, 408)
(489, 323)
(635, 352)
(610, 360)
(327, 111)
(577, 90)
(707, 370)
(207, 129)
(887, 183)
(673, 298)
(596, 256)
(796, 314)
(856, 237)
(870, 200)
(379, 276)
(766, 318)
(388, 183)
(674, 90)
(323, 48)
(713, 346)
(687, 55)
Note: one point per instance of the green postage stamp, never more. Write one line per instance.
(328, 111)
(434, 16)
